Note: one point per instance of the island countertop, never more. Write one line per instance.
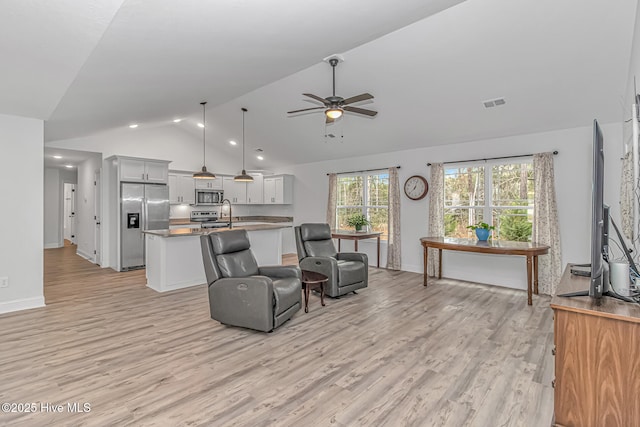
(236, 219)
(182, 232)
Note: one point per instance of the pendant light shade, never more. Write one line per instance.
(243, 177)
(204, 173)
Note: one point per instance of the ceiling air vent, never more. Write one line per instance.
(493, 102)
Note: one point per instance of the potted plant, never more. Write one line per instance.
(482, 230)
(357, 221)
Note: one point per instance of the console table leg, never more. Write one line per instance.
(535, 274)
(378, 251)
(339, 240)
(439, 263)
(529, 280)
(426, 259)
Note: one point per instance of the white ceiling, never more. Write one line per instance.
(429, 65)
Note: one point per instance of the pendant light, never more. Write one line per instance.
(243, 177)
(204, 174)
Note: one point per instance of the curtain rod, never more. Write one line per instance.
(491, 158)
(365, 170)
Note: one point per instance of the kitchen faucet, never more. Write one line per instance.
(230, 216)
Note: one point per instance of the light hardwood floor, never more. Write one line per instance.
(396, 354)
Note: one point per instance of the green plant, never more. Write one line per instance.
(357, 220)
(481, 225)
(516, 229)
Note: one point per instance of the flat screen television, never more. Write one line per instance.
(599, 272)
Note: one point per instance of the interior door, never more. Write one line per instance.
(69, 232)
(97, 219)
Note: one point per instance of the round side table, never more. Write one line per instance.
(312, 280)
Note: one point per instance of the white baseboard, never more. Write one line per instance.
(53, 245)
(21, 304)
(85, 256)
(176, 286)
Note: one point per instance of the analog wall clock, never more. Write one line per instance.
(416, 187)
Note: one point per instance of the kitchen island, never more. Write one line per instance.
(174, 257)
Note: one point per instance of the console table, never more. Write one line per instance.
(597, 348)
(499, 247)
(357, 235)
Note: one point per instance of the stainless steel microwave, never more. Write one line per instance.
(208, 197)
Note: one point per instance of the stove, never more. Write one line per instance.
(208, 219)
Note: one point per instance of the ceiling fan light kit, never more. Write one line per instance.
(334, 113)
(204, 173)
(243, 177)
(334, 106)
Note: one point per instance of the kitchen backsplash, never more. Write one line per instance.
(183, 211)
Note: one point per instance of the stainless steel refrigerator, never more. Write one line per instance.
(142, 207)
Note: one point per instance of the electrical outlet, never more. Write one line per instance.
(4, 282)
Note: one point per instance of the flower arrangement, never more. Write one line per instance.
(357, 221)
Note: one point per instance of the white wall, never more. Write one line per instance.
(573, 190)
(171, 143)
(21, 175)
(54, 179)
(85, 206)
(52, 206)
(634, 68)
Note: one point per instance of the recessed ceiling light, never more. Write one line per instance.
(68, 166)
(57, 157)
(233, 143)
(200, 125)
(133, 126)
(260, 157)
(177, 120)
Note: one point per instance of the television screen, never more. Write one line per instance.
(599, 273)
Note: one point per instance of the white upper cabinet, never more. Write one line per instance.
(236, 192)
(278, 190)
(143, 170)
(255, 190)
(211, 184)
(181, 189)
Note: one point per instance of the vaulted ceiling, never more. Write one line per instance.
(86, 67)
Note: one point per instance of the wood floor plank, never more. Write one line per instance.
(396, 354)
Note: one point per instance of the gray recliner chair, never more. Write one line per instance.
(243, 294)
(347, 271)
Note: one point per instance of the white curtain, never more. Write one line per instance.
(393, 244)
(436, 213)
(626, 195)
(546, 230)
(333, 200)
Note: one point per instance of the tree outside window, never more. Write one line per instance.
(366, 194)
(499, 194)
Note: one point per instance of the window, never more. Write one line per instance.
(499, 194)
(366, 194)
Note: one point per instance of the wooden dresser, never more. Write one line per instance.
(597, 359)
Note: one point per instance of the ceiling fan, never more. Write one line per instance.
(334, 106)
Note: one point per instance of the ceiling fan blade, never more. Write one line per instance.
(357, 98)
(317, 98)
(329, 120)
(305, 109)
(364, 111)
